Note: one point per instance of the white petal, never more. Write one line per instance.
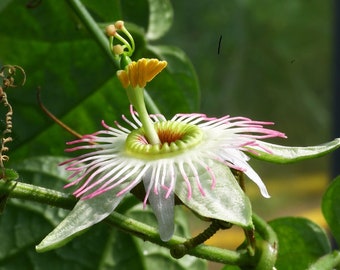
(226, 201)
(163, 209)
(257, 180)
(85, 214)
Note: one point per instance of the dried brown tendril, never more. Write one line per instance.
(7, 76)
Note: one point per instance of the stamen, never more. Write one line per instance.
(129, 122)
(151, 184)
(172, 182)
(134, 115)
(198, 182)
(209, 170)
(186, 179)
(134, 182)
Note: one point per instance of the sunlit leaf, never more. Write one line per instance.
(301, 242)
(160, 19)
(331, 207)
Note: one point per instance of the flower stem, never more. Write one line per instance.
(92, 27)
(38, 194)
(267, 246)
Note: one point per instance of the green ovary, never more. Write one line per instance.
(175, 137)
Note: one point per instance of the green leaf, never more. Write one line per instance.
(328, 262)
(285, 154)
(176, 90)
(331, 208)
(226, 201)
(44, 165)
(21, 227)
(160, 18)
(121, 252)
(301, 242)
(66, 74)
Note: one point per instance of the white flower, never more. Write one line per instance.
(121, 158)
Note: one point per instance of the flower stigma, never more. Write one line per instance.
(135, 75)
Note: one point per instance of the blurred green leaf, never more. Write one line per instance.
(45, 166)
(177, 89)
(301, 242)
(160, 19)
(331, 208)
(58, 56)
(9, 175)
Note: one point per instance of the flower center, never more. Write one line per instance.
(175, 137)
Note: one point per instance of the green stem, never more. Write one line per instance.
(93, 28)
(267, 246)
(58, 199)
(38, 194)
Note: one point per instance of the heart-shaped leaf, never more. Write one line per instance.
(301, 242)
(331, 208)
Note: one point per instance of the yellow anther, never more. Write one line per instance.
(118, 49)
(119, 25)
(111, 30)
(140, 72)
